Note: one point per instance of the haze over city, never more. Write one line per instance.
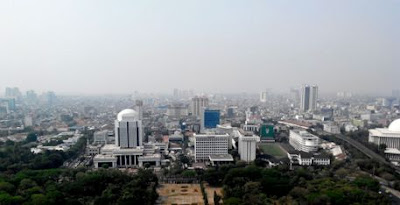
(98, 47)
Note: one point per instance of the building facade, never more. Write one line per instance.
(128, 129)
(303, 141)
(211, 118)
(389, 136)
(128, 150)
(210, 144)
(247, 147)
(309, 96)
(263, 96)
(198, 103)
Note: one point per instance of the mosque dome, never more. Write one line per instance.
(127, 114)
(395, 126)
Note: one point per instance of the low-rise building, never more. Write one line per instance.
(220, 159)
(331, 128)
(308, 159)
(303, 141)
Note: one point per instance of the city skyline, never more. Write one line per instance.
(99, 47)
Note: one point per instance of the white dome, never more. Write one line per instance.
(395, 126)
(127, 113)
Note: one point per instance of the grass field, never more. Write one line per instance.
(273, 150)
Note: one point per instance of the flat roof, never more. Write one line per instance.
(221, 157)
(392, 151)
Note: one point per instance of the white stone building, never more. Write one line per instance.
(303, 141)
(389, 136)
(247, 147)
(128, 150)
(210, 144)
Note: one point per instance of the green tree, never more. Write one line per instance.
(217, 198)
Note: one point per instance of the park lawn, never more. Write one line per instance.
(273, 150)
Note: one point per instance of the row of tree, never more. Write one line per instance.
(256, 185)
(64, 186)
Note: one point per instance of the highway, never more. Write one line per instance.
(369, 153)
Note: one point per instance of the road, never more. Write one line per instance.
(369, 153)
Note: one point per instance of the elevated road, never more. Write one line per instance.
(363, 149)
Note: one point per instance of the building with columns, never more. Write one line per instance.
(389, 136)
(128, 150)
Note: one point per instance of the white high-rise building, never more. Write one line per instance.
(207, 145)
(263, 96)
(247, 147)
(309, 96)
(303, 141)
(128, 150)
(198, 103)
(128, 129)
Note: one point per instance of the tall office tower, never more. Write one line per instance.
(51, 97)
(128, 129)
(309, 96)
(139, 108)
(31, 96)
(396, 93)
(198, 103)
(263, 96)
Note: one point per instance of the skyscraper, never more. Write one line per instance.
(197, 104)
(128, 129)
(139, 108)
(263, 97)
(309, 96)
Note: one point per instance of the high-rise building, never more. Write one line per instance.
(247, 147)
(128, 129)
(198, 103)
(207, 145)
(13, 92)
(31, 96)
(211, 118)
(51, 97)
(309, 96)
(230, 112)
(177, 110)
(139, 108)
(263, 96)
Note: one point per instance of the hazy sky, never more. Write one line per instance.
(95, 47)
